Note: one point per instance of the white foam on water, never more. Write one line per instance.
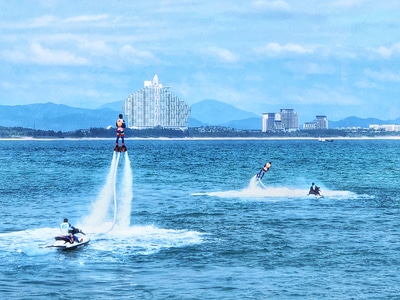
(257, 189)
(100, 209)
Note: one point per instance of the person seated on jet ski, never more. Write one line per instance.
(264, 170)
(314, 190)
(65, 227)
(73, 238)
(68, 230)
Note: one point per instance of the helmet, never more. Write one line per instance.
(313, 183)
(120, 116)
(65, 220)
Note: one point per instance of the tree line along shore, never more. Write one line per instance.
(193, 132)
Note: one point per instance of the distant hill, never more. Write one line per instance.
(117, 106)
(56, 117)
(245, 124)
(195, 123)
(59, 117)
(359, 122)
(213, 112)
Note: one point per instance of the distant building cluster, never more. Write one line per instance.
(155, 106)
(321, 122)
(285, 120)
(389, 127)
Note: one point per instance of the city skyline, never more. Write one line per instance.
(334, 57)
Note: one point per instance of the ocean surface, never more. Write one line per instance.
(186, 219)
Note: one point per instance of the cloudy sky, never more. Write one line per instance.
(334, 57)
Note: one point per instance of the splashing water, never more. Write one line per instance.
(257, 189)
(99, 209)
(117, 189)
(126, 195)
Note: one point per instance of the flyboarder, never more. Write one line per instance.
(120, 123)
(264, 170)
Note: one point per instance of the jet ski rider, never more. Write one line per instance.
(314, 190)
(68, 230)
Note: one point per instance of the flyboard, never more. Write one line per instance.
(118, 150)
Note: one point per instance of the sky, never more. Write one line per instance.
(337, 58)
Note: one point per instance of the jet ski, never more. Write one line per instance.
(69, 242)
(316, 192)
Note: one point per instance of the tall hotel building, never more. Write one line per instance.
(155, 106)
(290, 119)
(321, 122)
(268, 122)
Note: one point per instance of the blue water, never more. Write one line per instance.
(186, 219)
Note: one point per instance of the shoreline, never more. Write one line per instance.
(204, 138)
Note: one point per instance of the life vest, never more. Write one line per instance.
(120, 122)
(64, 228)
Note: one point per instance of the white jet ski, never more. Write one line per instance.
(65, 242)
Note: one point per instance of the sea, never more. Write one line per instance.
(187, 219)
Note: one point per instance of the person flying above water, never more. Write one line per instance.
(120, 123)
(264, 170)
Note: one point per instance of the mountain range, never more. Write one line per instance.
(208, 112)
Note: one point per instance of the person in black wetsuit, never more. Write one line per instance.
(264, 170)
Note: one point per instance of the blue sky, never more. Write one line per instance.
(334, 57)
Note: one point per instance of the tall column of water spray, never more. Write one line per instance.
(126, 195)
(98, 215)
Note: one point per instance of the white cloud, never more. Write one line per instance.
(348, 3)
(324, 95)
(51, 21)
(311, 68)
(382, 75)
(274, 49)
(43, 21)
(223, 55)
(277, 5)
(37, 54)
(97, 47)
(135, 55)
(6, 85)
(87, 18)
(388, 52)
(45, 56)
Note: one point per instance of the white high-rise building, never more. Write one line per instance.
(321, 122)
(268, 122)
(290, 119)
(155, 106)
